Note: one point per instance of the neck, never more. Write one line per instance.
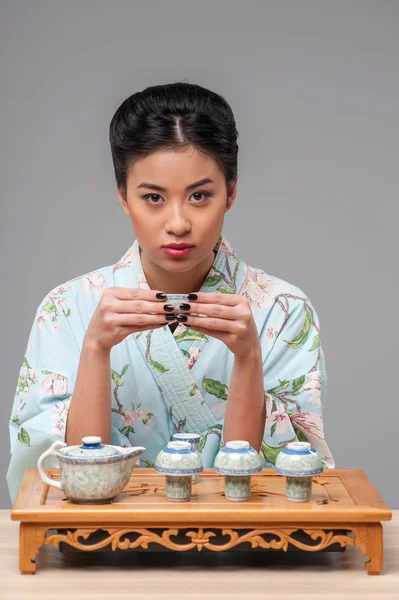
(176, 283)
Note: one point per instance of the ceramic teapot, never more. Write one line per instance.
(93, 473)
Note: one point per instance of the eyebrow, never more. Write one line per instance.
(152, 186)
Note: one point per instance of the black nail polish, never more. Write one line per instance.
(181, 317)
(170, 317)
(160, 296)
(192, 297)
(185, 306)
(169, 307)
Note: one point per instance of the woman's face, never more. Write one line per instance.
(167, 205)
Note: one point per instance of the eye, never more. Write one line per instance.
(205, 195)
(147, 197)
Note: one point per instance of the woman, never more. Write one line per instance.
(108, 356)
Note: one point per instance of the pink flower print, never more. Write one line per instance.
(139, 414)
(142, 282)
(128, 418)
(313, 384)
(93, 282)
(59, 413)
(132, 416)
(271, 332)
(25, 393)
(60, 289)
(269, 404)
(60, 302)
(225, 248)
(280, 418)
(54, 385)
(147, 424)
(58, 428)
(311, 425)
(194, 356)
(44, 316)
(33, 375)
(127, 259)
(258, 288)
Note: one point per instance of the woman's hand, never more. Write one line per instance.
(122, 311)
(228, 318)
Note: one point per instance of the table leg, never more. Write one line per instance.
(31, 537)
(374, 545)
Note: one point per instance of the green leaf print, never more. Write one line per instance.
(283, 384)
(23, 437)
(15, 419)
(46, 372)
(270, 454)
(190, 335)
(315, 343)
(157, 366)
(214, 387)
(67, 313)
(25, 363)
(300, 436)
(148, 463)
(185, 353)
(125, 368)
(225, 290)
(302, 336)
(21, 384)
(273, 429)
(126, 430)
(202, 443)
(50, 307)
(116, 377)
(192, 391)
(212, 281)
(297, 384)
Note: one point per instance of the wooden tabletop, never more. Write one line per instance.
(338, 495)
(176, 576)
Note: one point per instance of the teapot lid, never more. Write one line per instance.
(92, 448)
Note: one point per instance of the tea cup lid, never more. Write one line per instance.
(178, 458)
(91, 448)
(192, 438)
(237, 457)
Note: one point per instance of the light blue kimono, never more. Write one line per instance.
(164, 382)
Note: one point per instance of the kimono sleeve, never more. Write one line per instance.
(45, 385)
(295, 377)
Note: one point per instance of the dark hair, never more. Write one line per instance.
(171, 117)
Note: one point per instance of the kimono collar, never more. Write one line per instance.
(223, 275)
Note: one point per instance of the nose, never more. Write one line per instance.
(177, 222)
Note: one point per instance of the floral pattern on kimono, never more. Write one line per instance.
(164, 382)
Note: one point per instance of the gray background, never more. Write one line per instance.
(314, 86)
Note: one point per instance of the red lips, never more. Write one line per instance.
(178, 246)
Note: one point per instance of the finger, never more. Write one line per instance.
(140, 320)
(134, 293)
(219, 298)
(137, 306)
(211, 310)
(213, 324)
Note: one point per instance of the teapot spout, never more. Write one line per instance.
(134, 451)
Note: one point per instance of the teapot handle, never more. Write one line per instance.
(49, 452)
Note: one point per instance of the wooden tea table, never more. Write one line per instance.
(142, 517)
